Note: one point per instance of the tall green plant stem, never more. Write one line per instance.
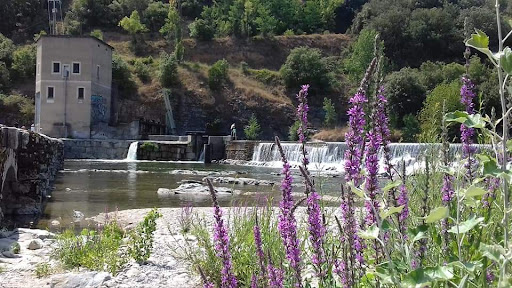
(505, 129)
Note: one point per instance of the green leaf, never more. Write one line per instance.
(371, 233)
(391, 185)
(468, 266)
(385, 213)
(417, 279)
(437, 214)
(494, 252)
(466, 225)
(480, 41)
(509, 145)
(469, 120)
(506, 60)
(462, 283)
(474, 191)
(440, 272)
(357, 191)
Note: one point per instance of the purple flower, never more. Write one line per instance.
(492, 185)
(208, 285)
(467, 95)
(254, 281)
(287, 225)
(302, 115)
(221, 240)
(489, 275)
(372, 182)
(275, 277)
(316, 231)
(340, 268)
(403, 199)
(259, 249)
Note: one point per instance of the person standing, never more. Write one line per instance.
(233, 131)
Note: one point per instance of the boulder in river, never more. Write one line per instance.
(195, 189)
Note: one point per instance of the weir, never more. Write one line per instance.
(330, 155)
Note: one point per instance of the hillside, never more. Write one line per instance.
(260, 90)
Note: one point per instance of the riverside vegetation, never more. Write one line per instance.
(447, 226)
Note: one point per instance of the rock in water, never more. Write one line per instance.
(77, 215)
(35, 244)
(195, 189)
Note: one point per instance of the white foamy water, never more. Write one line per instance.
(132, 151)
(329, 156)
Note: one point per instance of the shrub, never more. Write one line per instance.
(363, 50)
(122, 77)
(24, 62)
(330, 113)
(179, 51)
(253, 129)
(202, 30)
(94, 250)
(149, 147)
(16, 109)
(142, 71)
(244, 67)
(141, 242)
(5, 79)
(155, 15)
(168, 70)
(218, 74)
(292, 132)
(431, 116)
(265, 76)
(43, 269)
(411, 128)
(305, 66)
(97, 33)
(289, 32)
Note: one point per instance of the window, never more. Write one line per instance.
(76, 67)
(80, 94)
(50, 94)
(98, 72)
(55, 67)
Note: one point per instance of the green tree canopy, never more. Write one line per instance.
(132, 25)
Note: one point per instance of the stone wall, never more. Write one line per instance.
(166, 151)
(96, 149)
(29, 163)
(240, 150)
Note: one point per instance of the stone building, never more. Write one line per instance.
(73, 85)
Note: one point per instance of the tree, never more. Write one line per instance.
(134, 27)
(363, 50)
(330, 113)
(16, 109)
(172, 27)
(168, 70)
(24, 62)
(218, 74)
(253, 130)
(122, 77)
(6, 49)
(155, 15)
(179, 51)
(305, 66)
(97, 34)
(5, 80)
(202, 30)
(405, 95)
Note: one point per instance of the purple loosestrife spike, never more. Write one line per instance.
(287, 224)
(302, 115)
(275, 277)
(372, 170)
(467, 95)
(316, 226)
(259, 248)
(403, 199)
(221, 240)
(254, 281)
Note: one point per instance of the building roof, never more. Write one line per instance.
(76, 37)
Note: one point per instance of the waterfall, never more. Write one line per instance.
(330, 155)
(132, 151)
(201, 156)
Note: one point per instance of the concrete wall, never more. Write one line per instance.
(166, 151)
(240, 149)
(29, 163)
(96, 149)
(65, 115)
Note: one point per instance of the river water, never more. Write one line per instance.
(93, 187)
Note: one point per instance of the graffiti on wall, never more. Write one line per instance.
(98, 109)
